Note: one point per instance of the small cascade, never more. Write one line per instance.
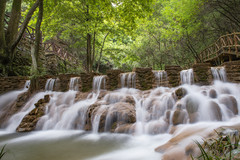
(99, 82)
(128, 80)
(50, 84)
(219, 73)
(187, 76)
(160, 77)
(74, 84)
(16, 119)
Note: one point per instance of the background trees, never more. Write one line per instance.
(123, 34)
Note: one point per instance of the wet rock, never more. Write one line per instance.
(81, 96)
(231, 103)
(157, 127)
(216, 111)
(125, 128)
(112, 116)
(170, 104)
(178, 117)
(193, 117)
(213, 93)
(191, 105)
(129, 99)
(180, 93)
(167, 116)
(29, 122)
(204, 93)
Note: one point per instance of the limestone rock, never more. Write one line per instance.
(29, 122)
(180, 93)
(178, 117)
(216, 111)
(231, 103)
(213, 93)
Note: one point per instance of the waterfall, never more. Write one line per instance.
(187, 76)
(50, 84)
(74, 84)
(160, 77)
(99, 82)
(129, 79)
(219, 73)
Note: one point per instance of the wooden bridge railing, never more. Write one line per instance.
(46, 47)
(226, 45)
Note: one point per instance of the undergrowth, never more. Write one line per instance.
(218, 148)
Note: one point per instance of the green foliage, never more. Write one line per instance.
(219, 148)
(2, 152)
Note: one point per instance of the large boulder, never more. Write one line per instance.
(213, 93)
(29, 122)
(112, 116)
(216, 111)
(191, 105)
(231, 103)
(180, 93)
(179, 116)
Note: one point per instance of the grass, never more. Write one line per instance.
(3, 152)
(218, 148)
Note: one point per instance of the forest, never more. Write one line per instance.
(111, 34)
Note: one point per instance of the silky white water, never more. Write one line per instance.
(160, 77)
(62, 134)
(128, 80)
(187, 76)
(219, 73)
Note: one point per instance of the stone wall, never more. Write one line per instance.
(86, 82)
(202, 73)
(113, 79)
(173, 75)
(11, 83)
(64, 81)
(233, 71)
(144, 78)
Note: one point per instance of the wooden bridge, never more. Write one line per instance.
(49, 47)
(226, 48)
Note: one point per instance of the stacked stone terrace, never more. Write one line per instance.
(145, 79)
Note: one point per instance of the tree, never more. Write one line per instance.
(12, 38)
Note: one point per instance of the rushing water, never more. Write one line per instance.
(187, 76)
(50, 84)
(160, 77)
(61, 132)
(128, 80)
(74, 84)
(219, 73)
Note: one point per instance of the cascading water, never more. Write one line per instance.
(161, 111)
(74, 84)
(128, 80)
(7, 99)
(160, 77)
(187, 76)
(219, 73)
(50, 84)
(99, 82)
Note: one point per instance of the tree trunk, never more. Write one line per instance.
(102, 51)
(2, 32)
(35, 51)
(24, 25)
(13, 24)
(88, 52)
(93, 51)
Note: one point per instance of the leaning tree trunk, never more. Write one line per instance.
(2, 32)
(13, 24)
(36, 48)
